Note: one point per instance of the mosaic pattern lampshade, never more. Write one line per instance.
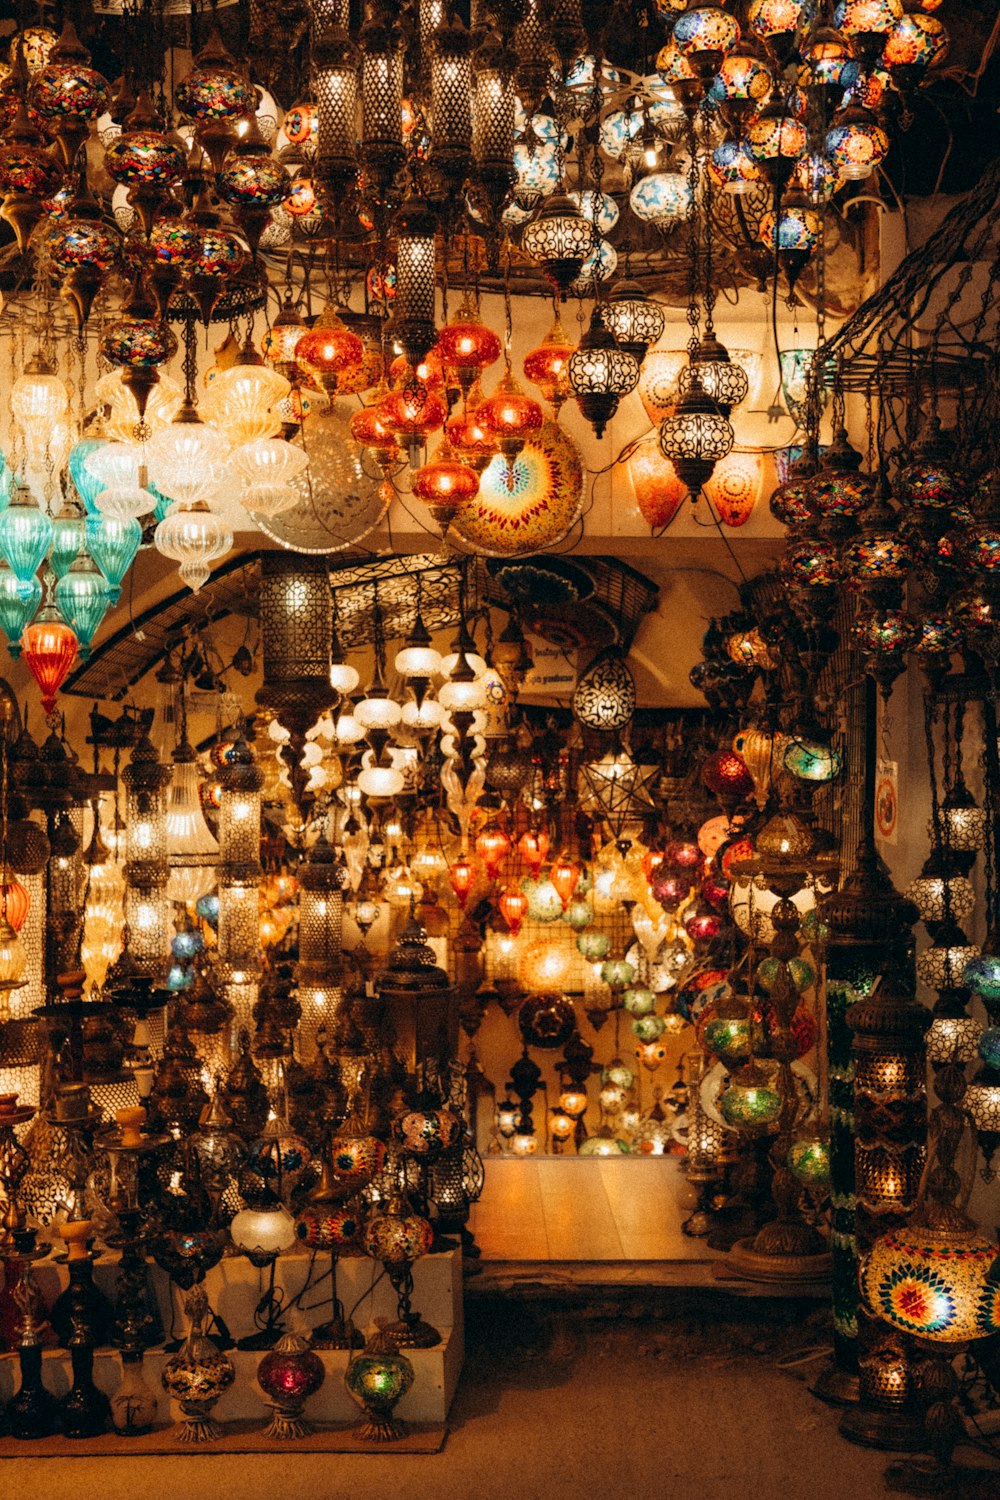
(934, 1284)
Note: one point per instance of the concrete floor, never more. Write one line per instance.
(552, 1407)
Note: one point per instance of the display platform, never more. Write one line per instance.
(234, 1288)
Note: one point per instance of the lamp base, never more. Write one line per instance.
(893, 1431)
(836, 1386)
(337, 1334)
(917, 1476)
(752, 1263)
(405, 1333)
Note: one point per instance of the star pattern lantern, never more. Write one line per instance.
(662, 199)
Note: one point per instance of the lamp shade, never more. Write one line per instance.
(933, 1283)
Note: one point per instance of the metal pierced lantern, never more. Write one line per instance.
(601, 372)
(604, 697)
(413, 319)
(695, 437)
(493, 126)
(381, 96)
(451, 88)
(634, 320)
(559, 239)
(711, 368)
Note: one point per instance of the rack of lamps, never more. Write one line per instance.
(413, 131)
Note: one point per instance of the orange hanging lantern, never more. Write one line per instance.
(329, 350)
(411, 415)
(15, 903)
(461, 878)
(534, 846)
(547, 365)
(510, 417)
(564, 875)
(469, 436)
(513, 907)
(429, 371)
(467, 347)
(48, 648)
(445, 484)
(652, 860)
(369, 429)
(492, 846)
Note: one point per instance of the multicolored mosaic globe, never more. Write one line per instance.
(933, 1284)
(529, 504)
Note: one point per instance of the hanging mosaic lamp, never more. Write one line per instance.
(29, 175)
(69, 94)
(704, 34)
(145, 159)
(856, 144)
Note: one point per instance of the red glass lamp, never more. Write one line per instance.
(534, 846)
(513, 907)
(467, 347)
(547, 365)
(15, 903)
(564, 875)
(48, 648)
(510, 417)
(461, 878)
(492, 846)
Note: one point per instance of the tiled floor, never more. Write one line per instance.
(584, 1209)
